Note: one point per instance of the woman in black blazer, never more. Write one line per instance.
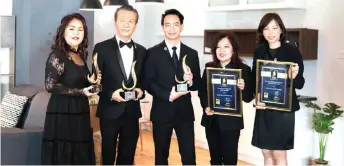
(222, 132)
(274, 130)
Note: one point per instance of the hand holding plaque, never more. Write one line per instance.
(257, 104)
(95, 78)
(130, 93)
(293, 71)
(208, 111)
(183, 85)
(241, 84)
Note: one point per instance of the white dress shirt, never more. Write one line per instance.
(169, 46)
(127, 56)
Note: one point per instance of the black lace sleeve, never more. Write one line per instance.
(53, 71)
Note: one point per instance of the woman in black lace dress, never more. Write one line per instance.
(67, 137)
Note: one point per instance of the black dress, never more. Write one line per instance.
(274, 130)
(67, 136)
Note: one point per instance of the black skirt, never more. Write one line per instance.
(67, 137)
(274, 130)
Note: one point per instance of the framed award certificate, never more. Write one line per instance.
(224, 97)
(274, 85)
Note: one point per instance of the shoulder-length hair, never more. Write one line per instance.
(266, 19)
(235, 59)
(59, 40)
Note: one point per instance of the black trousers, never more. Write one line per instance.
(162, 133)
(128, 130)
(223, 145)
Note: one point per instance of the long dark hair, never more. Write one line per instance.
(60, 42)
(266, 19)
(235, 59)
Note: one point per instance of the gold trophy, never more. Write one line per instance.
(97, 87)
(181, 85)
(129, 92)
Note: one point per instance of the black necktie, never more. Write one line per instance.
(121, 44)
(175, 57)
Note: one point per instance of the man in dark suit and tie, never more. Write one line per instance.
(171, 109)
(119, 118)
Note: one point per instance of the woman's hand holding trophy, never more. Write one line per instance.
(96, 77)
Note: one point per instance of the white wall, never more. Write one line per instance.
(323, 76)
(6, 7)
(330, 21)
(5, 10)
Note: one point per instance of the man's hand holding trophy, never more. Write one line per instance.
(182, 86)
(128, 93)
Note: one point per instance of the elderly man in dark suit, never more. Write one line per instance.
(119, 117)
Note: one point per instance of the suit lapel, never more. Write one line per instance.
(119, 58)
(167, 52)
(182, 54)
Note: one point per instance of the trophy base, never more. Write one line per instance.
(182, 87)
(128, 95)
(96, 88)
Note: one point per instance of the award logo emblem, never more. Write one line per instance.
(224, 81)
(217, 101)
(182, 86)
(129, 92)
(276, 96)
(97, 87)
(228, 103)
(274, 74)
